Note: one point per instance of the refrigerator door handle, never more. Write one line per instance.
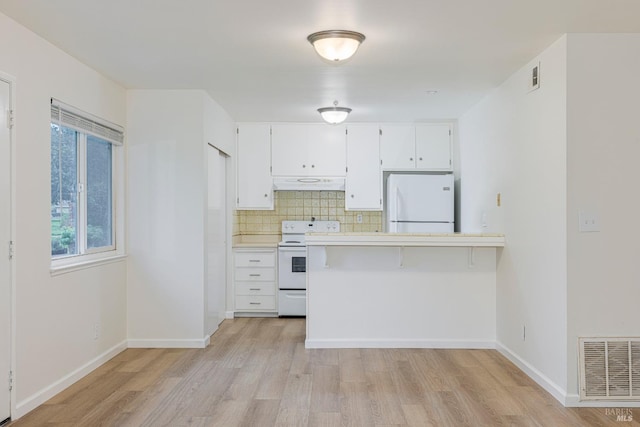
(393, 223)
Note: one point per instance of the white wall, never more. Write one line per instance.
(168, 134)
(603, 176)
(54, 316)
(514, 143)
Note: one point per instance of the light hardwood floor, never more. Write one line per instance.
(256, 372)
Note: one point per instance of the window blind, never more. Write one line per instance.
(71, 117)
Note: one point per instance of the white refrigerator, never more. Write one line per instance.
(420, 203)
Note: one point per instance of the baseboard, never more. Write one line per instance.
(573, 401)
(30, 403)
(171, 343)
(543, 381)
(228, 315)
(396, 343)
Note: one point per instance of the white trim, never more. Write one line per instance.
(11, 80)
(37, 399)
(543, 381)
(170, 343)
(85, 263)
(229, 315)
(398, 343)
(573, 401)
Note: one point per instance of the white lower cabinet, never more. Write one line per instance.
(255, 280)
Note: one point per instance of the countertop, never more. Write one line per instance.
(406, 239)
(256, 241)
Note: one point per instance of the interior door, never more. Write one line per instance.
(216, 238)
(5, 262)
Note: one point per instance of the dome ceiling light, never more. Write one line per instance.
(334, 115)
(336, 45)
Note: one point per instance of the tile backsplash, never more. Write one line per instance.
(304, 205)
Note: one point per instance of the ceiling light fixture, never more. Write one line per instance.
(336, 45)
(334, 115)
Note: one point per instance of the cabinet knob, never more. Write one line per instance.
(411, 159)
(420, 158)
(266, 195)
(313, 166)
(352, 196)
(304, 166)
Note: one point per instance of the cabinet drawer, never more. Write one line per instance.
(265, 288)
(256, 274)
(255, 259)
(258, 302)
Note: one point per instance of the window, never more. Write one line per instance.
(82, 183)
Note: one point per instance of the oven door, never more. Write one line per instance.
(292, 267)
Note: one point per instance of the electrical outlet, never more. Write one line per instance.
(589, 221)
(359, 218)
(96, 330)
(524, 333)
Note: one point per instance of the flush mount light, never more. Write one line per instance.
(334, 115)
(336, 45)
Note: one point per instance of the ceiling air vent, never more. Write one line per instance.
(609, 368)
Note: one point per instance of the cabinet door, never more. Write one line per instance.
(397, 146)
(327, 150)
(433, 146)
(254, 188)
(364, 184)
(289, 149)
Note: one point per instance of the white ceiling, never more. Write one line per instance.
(254, 59)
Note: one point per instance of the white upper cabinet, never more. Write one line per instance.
(328, 150)
(433, 146)
(289, 145)
(398, 146)
(425, 146)
(364, 183)
(254, 185)
(308, 150)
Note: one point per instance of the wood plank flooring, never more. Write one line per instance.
(256, 372)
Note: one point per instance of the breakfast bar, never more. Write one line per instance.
(393, 290)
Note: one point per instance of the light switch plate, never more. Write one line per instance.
(589, 221)
(534, 77)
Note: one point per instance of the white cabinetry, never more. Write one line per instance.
(425, 146)
(433, 146)
(254, 188)
(398, 146)
(255, 280)
(308, 150)
(363, 184)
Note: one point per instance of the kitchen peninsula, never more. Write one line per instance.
(391, 290)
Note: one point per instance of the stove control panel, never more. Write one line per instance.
(301, 227)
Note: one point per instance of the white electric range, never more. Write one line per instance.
(292, 264)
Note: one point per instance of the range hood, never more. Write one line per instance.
(308, 184)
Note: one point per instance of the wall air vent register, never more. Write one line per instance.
(609, 368)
